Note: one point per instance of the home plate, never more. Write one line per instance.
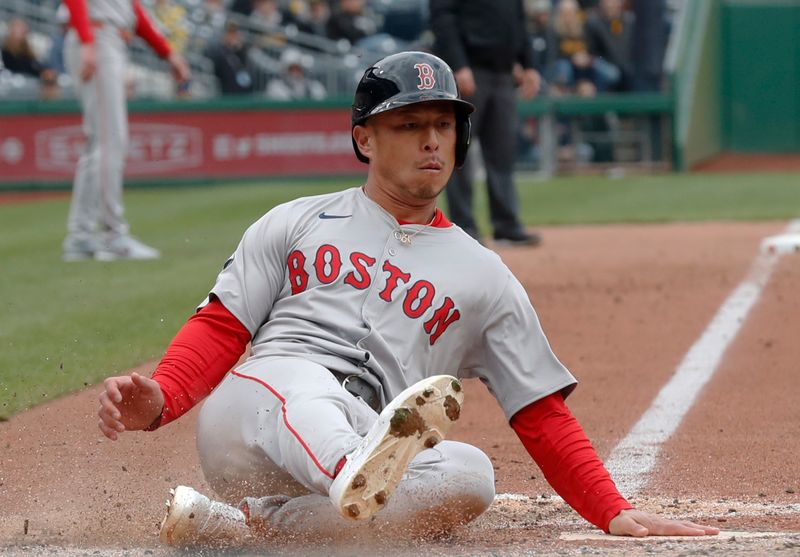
(722, 536)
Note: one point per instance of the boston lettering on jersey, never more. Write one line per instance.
(327, 267)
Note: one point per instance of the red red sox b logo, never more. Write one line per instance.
(426, 77)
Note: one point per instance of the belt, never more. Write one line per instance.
(125, 33)
(359, 388)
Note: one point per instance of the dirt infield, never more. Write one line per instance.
(12, 197)
(750, 162)
(621, 306)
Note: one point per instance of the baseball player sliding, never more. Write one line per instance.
(365, 308)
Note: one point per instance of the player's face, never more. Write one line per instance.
(412, 149)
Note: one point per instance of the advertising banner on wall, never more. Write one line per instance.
(225, 144)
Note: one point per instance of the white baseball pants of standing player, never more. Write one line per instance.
(97, 189)
(274, 430)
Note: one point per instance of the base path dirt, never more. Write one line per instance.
(750, 162)
(621, 306)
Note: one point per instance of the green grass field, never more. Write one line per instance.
(67, 325)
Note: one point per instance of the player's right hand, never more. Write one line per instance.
(180, 69)
(129, 402)
(88, 61)
(632, 522)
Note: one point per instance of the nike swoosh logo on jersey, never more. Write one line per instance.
(324, 215)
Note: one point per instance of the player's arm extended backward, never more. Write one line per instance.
(208, 345)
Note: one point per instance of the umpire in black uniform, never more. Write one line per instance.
(487, 45)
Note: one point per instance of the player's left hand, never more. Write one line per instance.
(632, 522)
(180, 69)
(529, 82)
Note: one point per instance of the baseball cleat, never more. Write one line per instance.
(417, 419)
(193, 519)
(76, 248)
(125, 247)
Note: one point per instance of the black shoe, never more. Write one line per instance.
(520, 238)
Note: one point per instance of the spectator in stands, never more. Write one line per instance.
(537, 17)
(294, 83)
(609, 31)
(270, 18)
(18, 56)
(351, 21)
(172, 18)
(230, 58)
(315, 20)
(209, 20)
(55, 57)
(244, 7)
(573, 70)
(267, 13)
(406, 20)
(570, 65)
(295, 10)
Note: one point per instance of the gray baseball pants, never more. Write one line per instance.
(274, 431)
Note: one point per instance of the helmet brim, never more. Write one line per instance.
(463, 107)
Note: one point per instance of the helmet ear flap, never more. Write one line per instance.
(463, 133)
(359, 156)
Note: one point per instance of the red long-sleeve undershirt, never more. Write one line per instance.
(149, 32)
(79, 20)
(557, 443)
(213, 340)
(203, 351)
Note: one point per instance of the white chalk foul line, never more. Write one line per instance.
(632, 460)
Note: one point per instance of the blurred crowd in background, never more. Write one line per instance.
(287, 50)
(309, 49)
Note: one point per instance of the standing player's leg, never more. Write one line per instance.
(112, 128)
(499, 149)
(82, 223)
(112, 133)
(459, 190)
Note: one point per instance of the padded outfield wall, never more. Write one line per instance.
(736, 78)
(230, 139)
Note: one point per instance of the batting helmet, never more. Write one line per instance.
(409, 78)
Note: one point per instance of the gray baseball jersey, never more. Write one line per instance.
(118, 13)
(335, 280)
